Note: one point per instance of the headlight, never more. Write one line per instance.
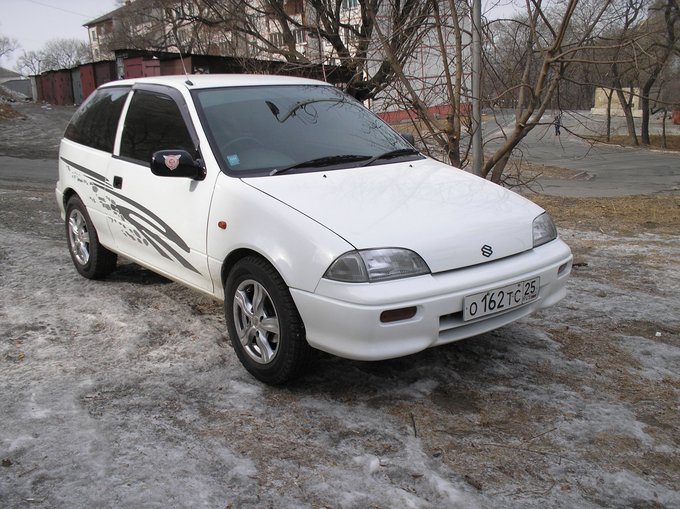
(376, 265)
(544, 229)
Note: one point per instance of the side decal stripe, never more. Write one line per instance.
(153, 234)
(87, 172)
(164, 228)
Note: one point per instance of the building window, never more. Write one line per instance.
(276, 39)
(300, 36)
(352, 33)
(350, 4)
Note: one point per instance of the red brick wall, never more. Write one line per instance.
(441, 111)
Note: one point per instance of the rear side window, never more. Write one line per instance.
(153, 122)
(96, 121)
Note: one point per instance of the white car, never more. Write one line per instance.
(318, 225)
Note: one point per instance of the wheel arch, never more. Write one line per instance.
(68, 193)
(238, 254)
(63, 198)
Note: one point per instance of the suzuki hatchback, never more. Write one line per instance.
(318, 225)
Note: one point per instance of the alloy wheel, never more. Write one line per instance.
(256, 321)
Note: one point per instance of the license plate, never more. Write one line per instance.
(500, 299)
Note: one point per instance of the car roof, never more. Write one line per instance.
(197, 81)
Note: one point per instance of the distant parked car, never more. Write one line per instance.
(317, 224)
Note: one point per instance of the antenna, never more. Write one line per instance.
(181, 58)
(188, 81)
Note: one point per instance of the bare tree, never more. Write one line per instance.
(311, 32)
(64, 54)
(527, 59)
(640, 42)
(663, 25)
(434, 76)
(549, 46)
(31, 62)
(621, 40)
(56, 54)
(7, 45)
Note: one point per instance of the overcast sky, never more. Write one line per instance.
(34, 22)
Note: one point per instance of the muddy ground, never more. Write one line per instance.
(126, 393)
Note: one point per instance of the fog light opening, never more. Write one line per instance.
(396, 315)
(563, 269)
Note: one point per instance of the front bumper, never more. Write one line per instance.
(344, 318)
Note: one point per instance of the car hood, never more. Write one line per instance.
(442, 213)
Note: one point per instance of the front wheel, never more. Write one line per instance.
(263, 323)
(92, 260)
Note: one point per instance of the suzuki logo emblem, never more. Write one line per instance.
(486, 250)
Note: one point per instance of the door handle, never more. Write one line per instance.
(118, 182)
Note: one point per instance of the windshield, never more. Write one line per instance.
(269, 130)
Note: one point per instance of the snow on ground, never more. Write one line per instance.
(126, 393)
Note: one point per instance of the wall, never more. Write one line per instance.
(600, 107)
(397, 116)
(22, 86)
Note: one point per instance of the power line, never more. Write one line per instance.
(58, 8)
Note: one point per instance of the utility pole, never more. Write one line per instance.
(477, 152)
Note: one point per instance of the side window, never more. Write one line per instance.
(153, 123)
(96, 121)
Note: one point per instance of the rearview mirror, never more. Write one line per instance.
(177, 163)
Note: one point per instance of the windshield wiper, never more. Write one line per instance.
(392, 153)
(321, 162)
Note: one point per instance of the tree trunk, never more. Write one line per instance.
(454, 149)
(644, 105)
(664, 143)
(627, 111)
(609, 115)
(499, 168)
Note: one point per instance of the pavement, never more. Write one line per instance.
(28, 155)
(28, 172)
(601, 170)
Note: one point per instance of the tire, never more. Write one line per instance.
(91, 259)
(264, 325)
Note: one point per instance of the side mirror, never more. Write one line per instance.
(177, 163)
(409, 137)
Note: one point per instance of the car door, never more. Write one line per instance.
(159, 221)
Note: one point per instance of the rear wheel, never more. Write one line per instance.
(91, 259)
(263, 323)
